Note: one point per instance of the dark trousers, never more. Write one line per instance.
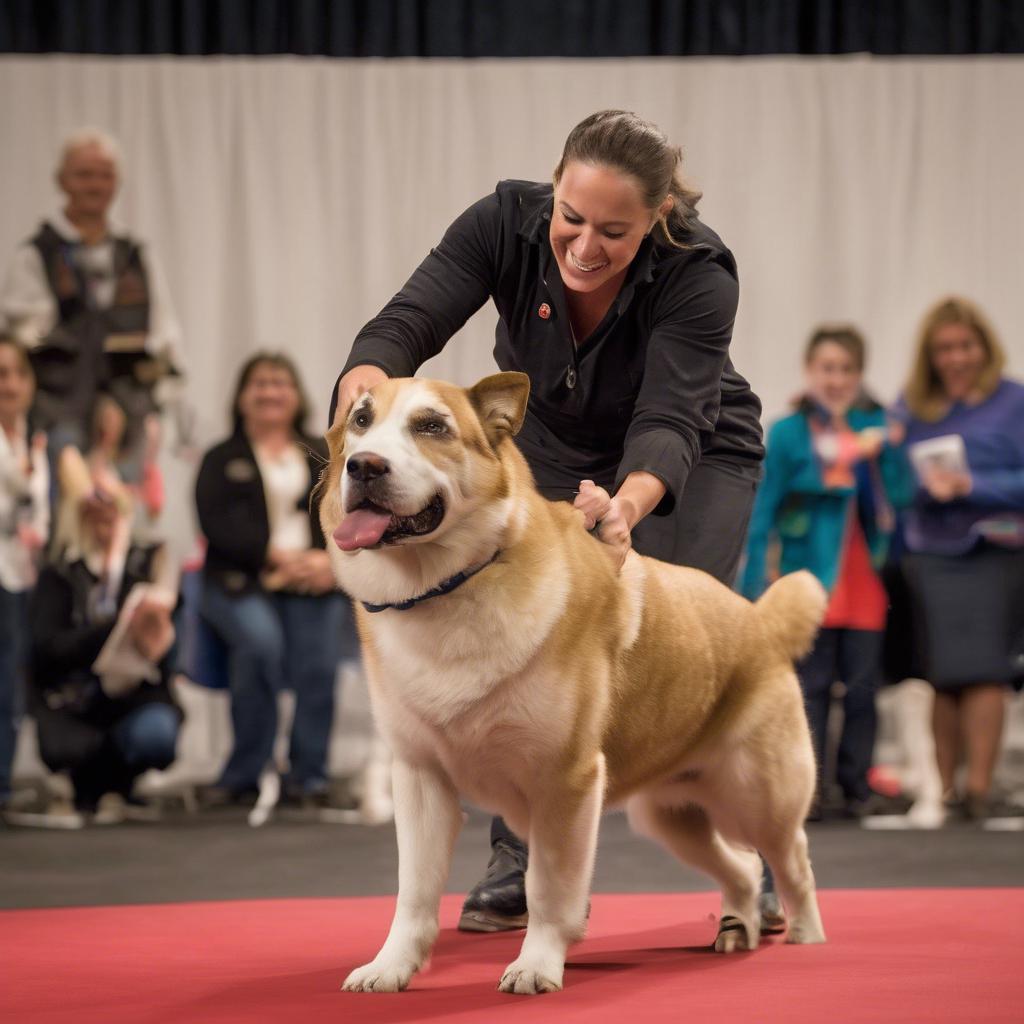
(853, 656)
(707, 530)
(13, 631)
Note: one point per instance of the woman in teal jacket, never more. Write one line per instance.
(832, 479)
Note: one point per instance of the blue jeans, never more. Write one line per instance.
(146, 737)
(13, 652)
(855, 657)
(278, 641)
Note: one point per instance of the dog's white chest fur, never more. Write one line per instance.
(440, 661)
(462, 687)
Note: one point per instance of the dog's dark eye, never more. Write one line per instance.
(434, 427)
(362, 420)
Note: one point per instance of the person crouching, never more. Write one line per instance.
(103, 707)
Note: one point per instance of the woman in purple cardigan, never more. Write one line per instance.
(965, 541)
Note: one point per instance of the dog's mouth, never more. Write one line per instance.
(368, 525)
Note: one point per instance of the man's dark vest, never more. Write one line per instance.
(91, 350)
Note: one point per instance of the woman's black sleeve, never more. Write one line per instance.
(680, 394)
(233, 528)
(445, 290)
(58, 645)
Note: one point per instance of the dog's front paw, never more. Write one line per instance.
(380, 976)
(527, 978)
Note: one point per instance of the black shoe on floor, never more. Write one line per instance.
(984, 808)
(498, 902)
(876, 804)
(215, 796)
(314, 798)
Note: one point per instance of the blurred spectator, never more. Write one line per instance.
(268, 588)
(91, 304)
(105, 725)
(832, 477)
(965, 538)
(24, 525)
(106, 450)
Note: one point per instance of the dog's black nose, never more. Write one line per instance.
(366, 466)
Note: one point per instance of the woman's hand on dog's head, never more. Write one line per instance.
(353, 384)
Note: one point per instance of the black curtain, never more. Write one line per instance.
(511, 28)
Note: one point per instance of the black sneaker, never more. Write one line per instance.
(216, 796)
(314, 798)
(876, 804)
(984, 809)
(498, 902)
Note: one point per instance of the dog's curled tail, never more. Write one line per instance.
(792, 609)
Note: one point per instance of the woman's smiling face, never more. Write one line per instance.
(959, 357)
(270, 397)
(598, 223)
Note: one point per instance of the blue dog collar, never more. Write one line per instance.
(445, 587)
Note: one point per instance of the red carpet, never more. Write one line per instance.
(893, 955)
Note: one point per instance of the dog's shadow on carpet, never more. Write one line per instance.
(462, 979)
(655, 951)
(634, 958)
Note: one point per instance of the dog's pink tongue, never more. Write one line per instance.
(361, 528)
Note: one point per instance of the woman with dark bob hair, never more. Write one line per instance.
(268, 588)
(618, 303)
(965, 538)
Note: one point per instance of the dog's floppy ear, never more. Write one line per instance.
(500, 403)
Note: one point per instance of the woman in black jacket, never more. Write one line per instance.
(619, 304)
(268, 588)
(104, 731)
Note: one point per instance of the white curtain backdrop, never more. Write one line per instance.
(289, 198)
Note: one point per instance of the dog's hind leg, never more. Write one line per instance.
(773, 820)
(687, 832)
(427, 820)
(787, 854)
(563, 841)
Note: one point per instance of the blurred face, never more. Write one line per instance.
(99, 520)
(89, 180)
(15, 384)
(833, 377)
(958, 356)
(110, 424)
(598, 223)
(269, 398)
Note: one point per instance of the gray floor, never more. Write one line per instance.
(220, 857)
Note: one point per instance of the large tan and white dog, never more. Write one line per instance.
(541, 684)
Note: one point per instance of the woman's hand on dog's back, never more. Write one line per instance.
(608, 515)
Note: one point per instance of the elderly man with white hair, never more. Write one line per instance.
(90, 303)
